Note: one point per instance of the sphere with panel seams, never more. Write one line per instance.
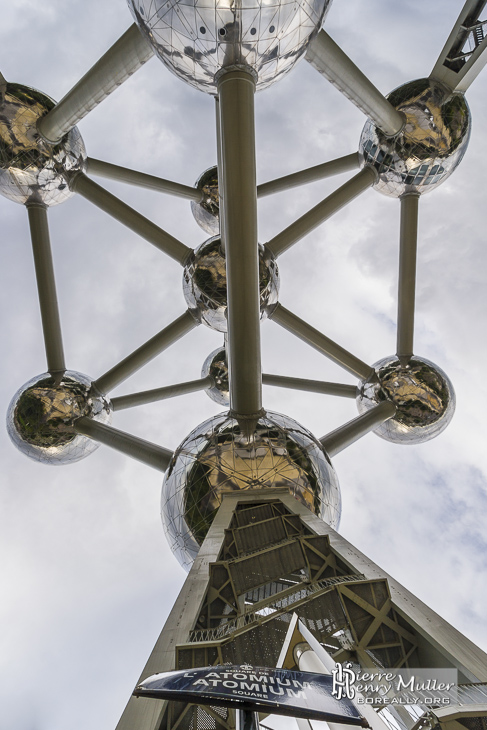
(207, 212)
(31, 169)
(219, 457)
(216, 366)
(205, 283)
(430, 146)
(422, 393)
(197, 38)
(41, 417)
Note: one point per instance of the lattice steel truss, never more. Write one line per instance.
(412, 141)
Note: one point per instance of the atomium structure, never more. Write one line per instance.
(250, 498)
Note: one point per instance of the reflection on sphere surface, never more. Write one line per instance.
(205, 283)
(422, 393)
(41, 415)
(31, 170)
(197, 38)
(207, 212)
(430, 146)
(217, 457)
(216, 366)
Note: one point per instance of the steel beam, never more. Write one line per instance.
(457, 69)
(321, 342)
(151, 396)
(350, 432)
(329, 59)
(146, 352)
(155, 456)
(314, 386)
(321, 212)
(408, 244)
(129, 217)
(125, 57)
(318, 172)
(46, 287)
(140, 179)
(236, 90)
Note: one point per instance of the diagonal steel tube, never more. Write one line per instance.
(46, 286)
(126, 56)
(408, 244)
(313, 386)
(155, 456)
(330, 61)
(330, 205)
(236, 90)
(140, 179)
(317, 172)
(151, 396)
(129, 217)
(350, 432)
(321, 342)
(146, 352)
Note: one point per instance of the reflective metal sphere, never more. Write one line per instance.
(205, 283)
(216, 365)
(217, 457)
(41, 415)
(207, 212)
(428, 149)
(197, 38)
(31, 169)
(422, 393)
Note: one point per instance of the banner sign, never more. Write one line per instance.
(261, 689)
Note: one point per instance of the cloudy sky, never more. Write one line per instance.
(86, 576)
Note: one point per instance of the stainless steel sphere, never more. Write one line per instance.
(205, 283)
(218, 457)
(430, 146)
(207, 212)
(41, 415)
(197, 38)
(422, 393)
(31, 169)
(216, 365)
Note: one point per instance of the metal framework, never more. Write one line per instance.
(371, 608)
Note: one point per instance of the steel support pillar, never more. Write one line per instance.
(408, 244)
(347, 434)
(311, 174)
(125, 57)
(321, 342)
(129, 217)
(313, 386)
(146, 352)
(329, 59)
(236, 90)
(321, 212)
(150, 454)
(151, 396)
(46, 287)
(140, 179)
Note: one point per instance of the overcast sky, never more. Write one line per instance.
(86, 575)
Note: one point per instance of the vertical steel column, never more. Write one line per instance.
(125, 57)
(219, 167)
(246, 720)
(408, 244)
(46, 286)
(307, 661)
(236, 89)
